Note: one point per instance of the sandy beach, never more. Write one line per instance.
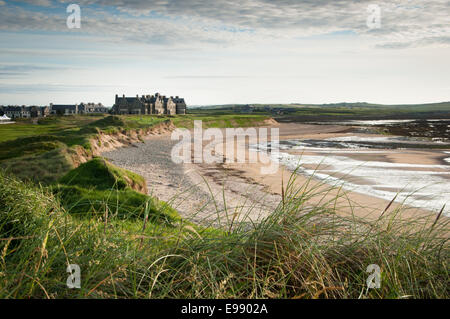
(222, 192)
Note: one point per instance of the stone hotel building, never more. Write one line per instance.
(149, 104)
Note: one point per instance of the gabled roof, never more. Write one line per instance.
(128, 99)
(64, 106)
(12, 109)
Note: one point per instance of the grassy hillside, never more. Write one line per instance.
(97, 188)
(40, 237)
(220, 120)
(335, 111)
(441, 106)
(100, 174)
(44, 152)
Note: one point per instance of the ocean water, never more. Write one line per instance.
(418, 185)
(375, 122)
(448, 158)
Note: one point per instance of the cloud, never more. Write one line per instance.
(43, 87)
(210, 77)
(445, 40)
(228, 22)
(121, 28)
(18, 70)
(41, 3)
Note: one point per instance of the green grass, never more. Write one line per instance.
(97, 187)
(44, 152)
(12, 131)
(50, 125)
(29, 146)
(316, 112)
(41, 167)
(143, 121)
(296, 252)
(220, 121)
(119, 204)
(43, 237)
(98, 173)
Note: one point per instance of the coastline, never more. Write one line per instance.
(232, 191)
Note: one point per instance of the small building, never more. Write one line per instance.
(246, 109)
(24, 111)
(63, 109)
(15, 112)
(39, 111)
(180, 105)
(92, 108)
(44, 111)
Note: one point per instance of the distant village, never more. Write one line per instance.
(145, 104)
(15, 112)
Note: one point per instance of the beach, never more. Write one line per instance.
(359, 180)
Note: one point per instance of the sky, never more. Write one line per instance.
(225, 51)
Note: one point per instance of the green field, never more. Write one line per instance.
(337, 111)
(216, 120)
(42, 152)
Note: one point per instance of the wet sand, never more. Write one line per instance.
(229, 191)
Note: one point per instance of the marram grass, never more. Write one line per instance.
(298, 251)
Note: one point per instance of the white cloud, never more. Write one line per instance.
(42, 3)
(405, 23)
